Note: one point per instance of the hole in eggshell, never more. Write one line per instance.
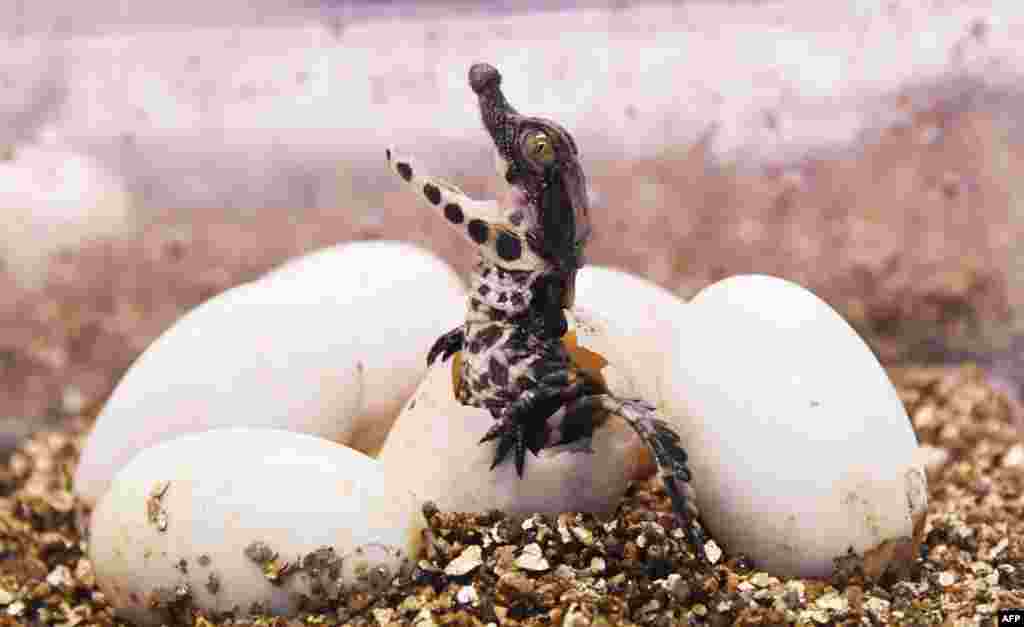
(641, 463)
(586, 360)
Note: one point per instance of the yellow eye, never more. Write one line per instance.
(539, 148)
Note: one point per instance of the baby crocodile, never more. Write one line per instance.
(512, 359)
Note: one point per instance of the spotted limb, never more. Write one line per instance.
(481, 222)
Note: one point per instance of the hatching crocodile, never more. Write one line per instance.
(511, 357)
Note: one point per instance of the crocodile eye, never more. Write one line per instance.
(539, 149)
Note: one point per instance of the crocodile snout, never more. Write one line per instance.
(483, 77)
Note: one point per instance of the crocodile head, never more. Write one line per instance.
(541, 223)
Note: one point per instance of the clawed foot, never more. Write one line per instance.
(523, 424)
(513, 436)
(447, 345)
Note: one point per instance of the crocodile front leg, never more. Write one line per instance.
(523, 424)
(447, 345)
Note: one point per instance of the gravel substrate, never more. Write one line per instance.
(576, 570)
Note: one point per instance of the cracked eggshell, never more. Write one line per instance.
(434, 449)
(332, 344)
(644, 316)
(209, 519)
(800, 448)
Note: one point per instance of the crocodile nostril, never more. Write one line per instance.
(483, 76)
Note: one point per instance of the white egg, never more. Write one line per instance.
(52, 197)
(434, 449)
(407, 297)
(247, 520)
(331, 345)
(642, 313)
(800, 448)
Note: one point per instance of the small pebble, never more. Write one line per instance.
(60, 577)
(1014, 456)
(383, 616)
(712, 551)
(679, 588)
(532, 558)
(425, 619)
(470, 558)
(998, 548)
(793, 597)
(518, 582)
(72, 400)
(466, 595)
(932, 457)
(583, 535)
(832, 601)
(563, 532)
(564, 571)
(818, 616)
(855, 596)
(879, 608)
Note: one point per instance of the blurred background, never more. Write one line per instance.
(154, 154)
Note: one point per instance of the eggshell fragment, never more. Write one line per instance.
(643, 314)
(332, 345)
(434, 449)
(802, 453)
(247, 520)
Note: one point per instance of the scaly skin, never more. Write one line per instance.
(513, 360)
